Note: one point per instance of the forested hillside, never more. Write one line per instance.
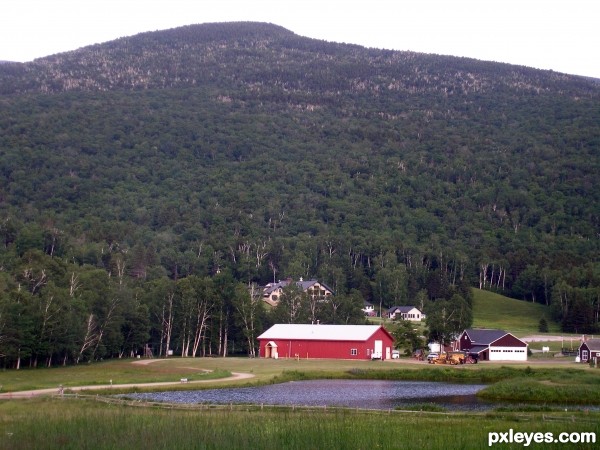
(148, 181)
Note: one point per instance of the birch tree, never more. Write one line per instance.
(248, 305)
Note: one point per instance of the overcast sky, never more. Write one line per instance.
(562, 35)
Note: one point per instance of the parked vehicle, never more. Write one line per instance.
(432, 356)
(395, 354)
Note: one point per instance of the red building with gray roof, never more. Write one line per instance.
(492, 345)
(589, 350)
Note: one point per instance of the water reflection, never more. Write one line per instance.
(369, 394)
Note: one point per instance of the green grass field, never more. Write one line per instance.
(74, 423)
(491, 310)
(86, 424)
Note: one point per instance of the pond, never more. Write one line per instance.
(364, 394)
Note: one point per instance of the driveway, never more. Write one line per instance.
(34, 393)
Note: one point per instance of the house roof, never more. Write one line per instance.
(592, 344)
(272, 287)
(478, 348)
(321, 332)
(304, 285)
(484, 336)
(402, 309)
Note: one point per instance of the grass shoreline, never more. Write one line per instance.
(546, 384)
(53, 423)
(85, 421)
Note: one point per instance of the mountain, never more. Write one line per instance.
(245, 147)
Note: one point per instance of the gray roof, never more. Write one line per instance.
(484, 336)
(271, 287)
(478, 348)
(592, 344)
(304, 285)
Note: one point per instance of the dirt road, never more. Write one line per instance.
(548, 338)
(57, 390)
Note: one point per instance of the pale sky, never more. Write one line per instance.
(562, 35)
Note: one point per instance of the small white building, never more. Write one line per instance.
(369, 309)
(411, 313)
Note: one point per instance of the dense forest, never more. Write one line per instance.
(150, 184)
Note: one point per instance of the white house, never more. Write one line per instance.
(369, 309)
(411, 313)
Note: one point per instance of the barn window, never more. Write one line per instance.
(353, 352)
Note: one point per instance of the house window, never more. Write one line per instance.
(584, 355)
(353, 352)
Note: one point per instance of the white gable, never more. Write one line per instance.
(320, 332)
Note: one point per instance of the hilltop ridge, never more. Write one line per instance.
(212, 54)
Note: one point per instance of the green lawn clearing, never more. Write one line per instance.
(491, 310)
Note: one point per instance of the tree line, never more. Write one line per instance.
(245, 153)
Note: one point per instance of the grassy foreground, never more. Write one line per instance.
(545, 382)
(70, 423)
(76, 424)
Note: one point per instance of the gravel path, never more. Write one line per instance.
(549, 337)
(34, 393)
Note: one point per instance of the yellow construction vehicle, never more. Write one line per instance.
(453, 358)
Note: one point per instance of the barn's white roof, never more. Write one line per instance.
(320, 332)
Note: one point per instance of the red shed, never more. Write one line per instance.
(326, 341)
(589, 350)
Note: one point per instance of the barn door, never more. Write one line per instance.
(271, 350)
(378, 350)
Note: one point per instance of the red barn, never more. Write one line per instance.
(326, 341)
